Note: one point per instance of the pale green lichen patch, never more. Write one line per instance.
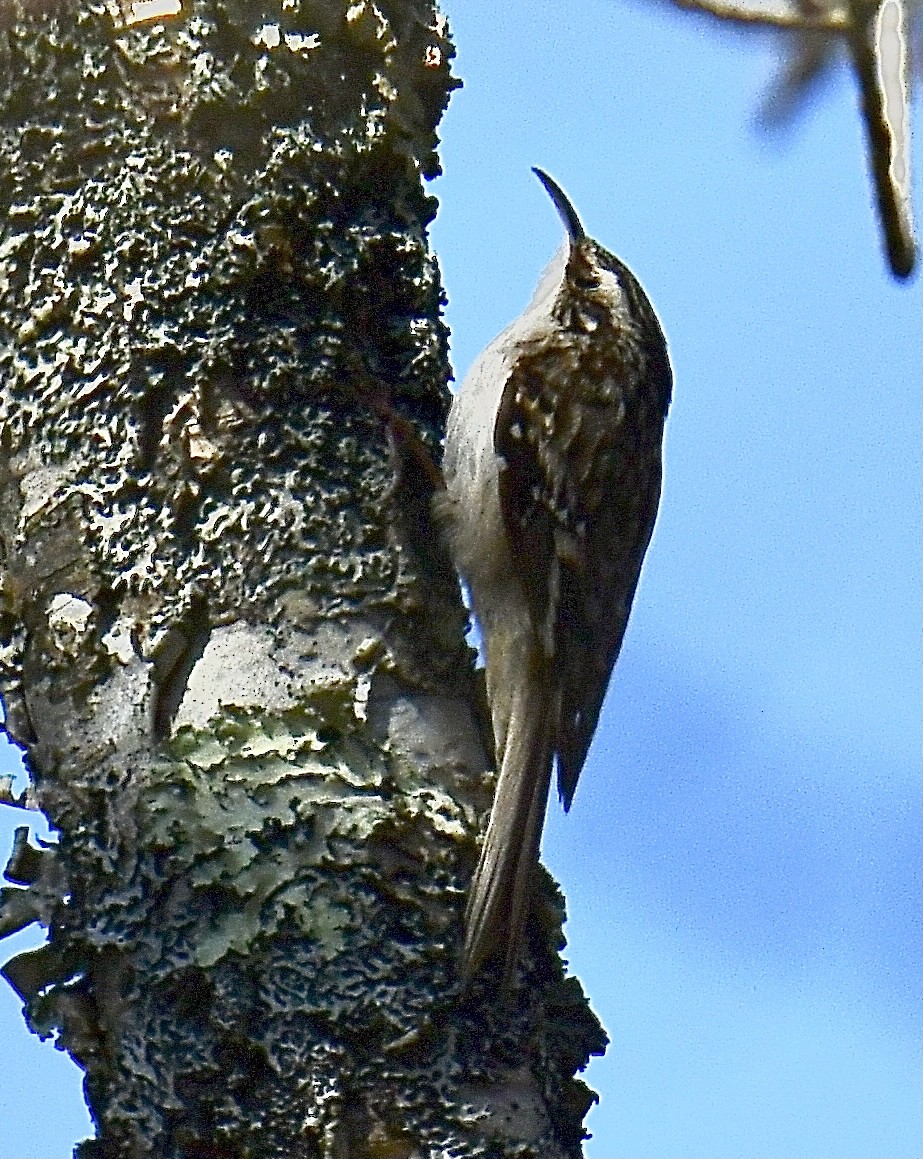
(257, 805)
(440, 809)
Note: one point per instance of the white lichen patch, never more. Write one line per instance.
(269, 34)
(134, 296)
(118, 643)
(237, 669)
(145, 10)
(69, 619)
(40, 487)
(297, 42)
(361, 696)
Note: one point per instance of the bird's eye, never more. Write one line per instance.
(587, 282)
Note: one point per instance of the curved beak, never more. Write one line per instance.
(566, 211)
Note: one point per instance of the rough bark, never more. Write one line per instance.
(232, 649)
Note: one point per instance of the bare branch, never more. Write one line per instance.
(879, 51)
(818, 19)
(8, 796)
(875, 34)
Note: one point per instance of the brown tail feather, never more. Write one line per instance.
(501, 892)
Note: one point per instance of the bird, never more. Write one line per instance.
(552, 466)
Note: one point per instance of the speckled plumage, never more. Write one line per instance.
(553, 470)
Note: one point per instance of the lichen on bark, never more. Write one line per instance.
(231, 646)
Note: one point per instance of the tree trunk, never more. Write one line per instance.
(232, 648)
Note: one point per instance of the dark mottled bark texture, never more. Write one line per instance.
(232, 650)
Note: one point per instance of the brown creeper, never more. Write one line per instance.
(552, 468)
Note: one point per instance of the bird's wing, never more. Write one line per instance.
(579, 489)
(536, 491)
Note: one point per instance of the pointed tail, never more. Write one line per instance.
(501, 892)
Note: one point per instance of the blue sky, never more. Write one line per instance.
(742, 861)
